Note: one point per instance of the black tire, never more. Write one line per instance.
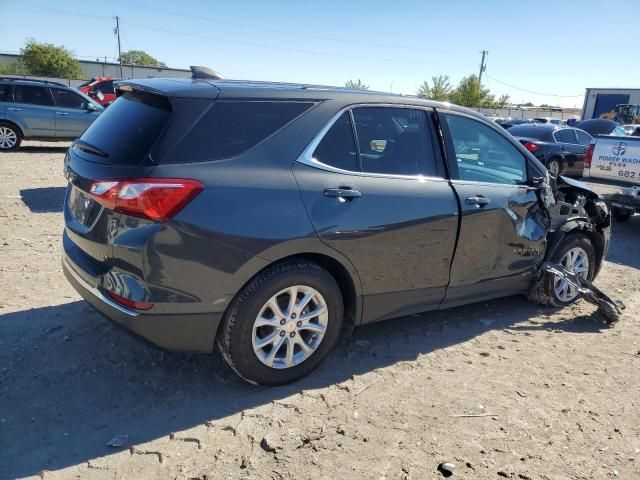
(544, 293)
(12, 129)
(554, 164)
(621, 215)
(235, 335)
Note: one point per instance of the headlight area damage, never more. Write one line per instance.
(575, 212)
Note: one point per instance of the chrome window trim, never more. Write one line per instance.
(306, 157)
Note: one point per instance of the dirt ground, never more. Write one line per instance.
(502, 389)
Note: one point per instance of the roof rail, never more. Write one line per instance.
(34, 80)
(205, 73)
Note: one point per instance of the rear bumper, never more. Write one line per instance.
(616, 194)
(184, 333)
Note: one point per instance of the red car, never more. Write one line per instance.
(103, 85)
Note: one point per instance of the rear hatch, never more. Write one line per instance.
(615, 159)
(118, 147)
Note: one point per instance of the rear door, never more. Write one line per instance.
(72, 113)
(503, 225)
(33, 110)
(574, 152)
(5, 98)
(383, 202)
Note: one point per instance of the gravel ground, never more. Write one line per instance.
(501, 389)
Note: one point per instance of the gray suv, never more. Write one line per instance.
(42, 110)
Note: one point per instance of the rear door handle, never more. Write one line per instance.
(345, 193)
(62, 113)
(478, 200)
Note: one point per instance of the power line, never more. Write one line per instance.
(266, 29)
(532, 91)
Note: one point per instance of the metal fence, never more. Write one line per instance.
(518, 113)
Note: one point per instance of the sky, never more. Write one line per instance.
(542, 51)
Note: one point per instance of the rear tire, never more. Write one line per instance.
(10, 137)
(261, 311)
(548, 292)
(621, 215)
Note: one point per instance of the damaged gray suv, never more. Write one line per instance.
(265, 217)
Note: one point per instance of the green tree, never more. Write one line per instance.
(48, 60)
(470, 93)
(439, 90)
(357, 85)
(141, 58)
(14, 68)
(502, 101)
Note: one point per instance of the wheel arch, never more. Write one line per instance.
(13, 124)
(584, 227)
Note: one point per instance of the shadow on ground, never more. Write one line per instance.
(44, 148)
(43, 200)
(624, 251)
(71, 381)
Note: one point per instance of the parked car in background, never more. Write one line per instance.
(560, 149)
(496, 119)
(100, 89)
(552, 120)
(42, 110)
(262, 217)
(612, 168)
(507, 123)
(600, 126)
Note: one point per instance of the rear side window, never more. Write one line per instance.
(4, 92)
(32, 95)
(394, 141)
(338, 148)
(566, 135)
(583, 137)
(127, 130)
(230, 128)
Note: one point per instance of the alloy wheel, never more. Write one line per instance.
(290, 327)
(554, 168)
(8, 138)
(575, 260)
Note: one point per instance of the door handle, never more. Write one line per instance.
(13, 109)
(344, 193)
(62, 113)
(478, 200)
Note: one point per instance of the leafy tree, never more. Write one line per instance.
(439, 90)
(528, 104)
(502, 101)
(357, 85)
(15, 68)
(470, 93)
(141, 58)
(48, 60)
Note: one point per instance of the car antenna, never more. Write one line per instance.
(205, 73)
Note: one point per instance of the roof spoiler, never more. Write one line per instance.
(205, 73)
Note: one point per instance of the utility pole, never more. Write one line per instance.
(116, 31)
(483, 65)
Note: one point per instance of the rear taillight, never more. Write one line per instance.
(157, 199)
(532, 147)
(589, 155)
(125, 302)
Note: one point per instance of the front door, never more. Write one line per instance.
(382, 202)
(503, 226)
(72, 113)
(573, 151)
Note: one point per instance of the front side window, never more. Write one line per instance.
(483, 154)
(394, 141)
(105, 87)
(338, 147)
(68, 99)
(32, 95)
(566, 135)
(583, 137)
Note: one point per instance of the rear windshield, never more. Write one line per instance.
(128, 128)
(230, 128)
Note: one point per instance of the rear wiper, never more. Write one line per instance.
(87, 147)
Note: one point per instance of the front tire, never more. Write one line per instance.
(10, 137)
(282, 324)
(575, 253)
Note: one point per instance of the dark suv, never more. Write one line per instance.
(265, 216)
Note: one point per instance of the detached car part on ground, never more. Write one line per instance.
(265, 217)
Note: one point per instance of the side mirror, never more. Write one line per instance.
(91, 107)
